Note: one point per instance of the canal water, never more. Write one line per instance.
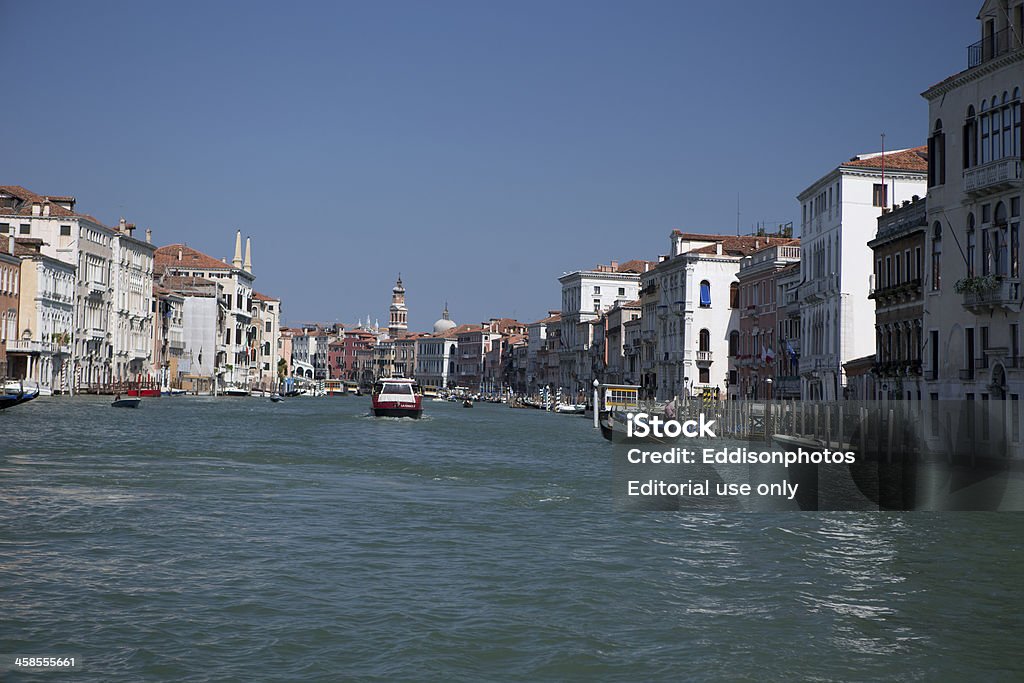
(201, 539)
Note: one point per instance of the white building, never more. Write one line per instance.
(973, 292)
(232, 354)
(690, 311)
(84, 242)
(586, 294)
(131, 316)
(839, 216)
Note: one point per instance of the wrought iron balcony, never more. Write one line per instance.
(990, 47)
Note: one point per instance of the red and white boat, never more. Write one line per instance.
(396, 397)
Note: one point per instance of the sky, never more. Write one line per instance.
(481, 149)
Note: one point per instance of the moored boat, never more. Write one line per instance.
(396, 397)
(16, 393)
(232, 390)
(571, 408)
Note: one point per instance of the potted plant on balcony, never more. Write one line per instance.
(977, 285)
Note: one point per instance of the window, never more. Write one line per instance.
(65, 231)
(622, 291)
(936, 256)
(597, 305)
(936, 157)
(597, 290)
(26, 229)
(734, 295)
(970, 137)
(971, 245)
(933, 341)
(4, 228)
(705, 294)
(880, 195)
(704, 375)
(704, 340)
(734, 338)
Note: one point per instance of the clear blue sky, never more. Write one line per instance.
(480, 148)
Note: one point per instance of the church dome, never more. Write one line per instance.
(445, 323)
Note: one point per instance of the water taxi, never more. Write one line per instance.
(396, 397)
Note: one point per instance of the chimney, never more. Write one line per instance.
(237, 260)
(35, 208)
(179, 253)
(10, 244)
(149, 236)
(248, 255)
(122, 226)
(718, 248)
(46, 207)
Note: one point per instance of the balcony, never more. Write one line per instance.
(25, 346)
(995, 176)
(990, 47)
(704, 358)
(983, 295)
(96, 287)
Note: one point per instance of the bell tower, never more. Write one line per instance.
(399, 322)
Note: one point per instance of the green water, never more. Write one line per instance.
(240, 540)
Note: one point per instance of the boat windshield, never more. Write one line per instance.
(397, 389)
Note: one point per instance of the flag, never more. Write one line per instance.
(789, 350)
(769, 356)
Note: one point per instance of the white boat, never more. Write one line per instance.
(232, 390)
(571, 408)
(396, 397)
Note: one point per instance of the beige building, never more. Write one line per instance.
(266, 331)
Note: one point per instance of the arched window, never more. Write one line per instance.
(734, 339)
(704, 341)
(936, 256)
(970, 145)
(705, 294)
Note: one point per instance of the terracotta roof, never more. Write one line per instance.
(636, 266)
(27, 198)
(741, 245)
(263, 297)
(167, 257)
(915, 159)
(554, 318)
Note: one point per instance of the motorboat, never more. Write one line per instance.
(16, 393)
(397, 397)
(571, 408)
(276, 398)
(232, 390)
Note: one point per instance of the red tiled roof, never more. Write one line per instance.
(741, 245)
(636, 266)
(553, 318)
(167, 257)
(915, 159)
(263, 297)
(27, 198)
